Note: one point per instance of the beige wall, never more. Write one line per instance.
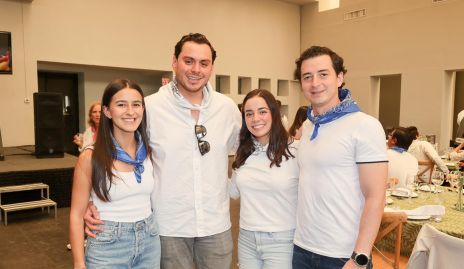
(416, 38)
(254, 38)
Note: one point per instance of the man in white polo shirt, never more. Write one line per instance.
(192, 128)
(343, 170)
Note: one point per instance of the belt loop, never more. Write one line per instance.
(119, 229)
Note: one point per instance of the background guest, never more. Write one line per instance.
(90, 135)
(424, 151)
(401, 164)
(300, 117)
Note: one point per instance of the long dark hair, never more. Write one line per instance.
(104, 148)
(278, 136)
(300, 117)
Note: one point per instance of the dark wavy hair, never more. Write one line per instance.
(196, 38)
(104, 148)
(279, 139)
(300, 117)
(314, 51)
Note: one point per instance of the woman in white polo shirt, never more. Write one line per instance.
(266, 179)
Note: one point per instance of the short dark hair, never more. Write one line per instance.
(402, 137)
(413, 132)
(314, 51)
(196, 38)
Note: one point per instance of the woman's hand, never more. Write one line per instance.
(77, 139)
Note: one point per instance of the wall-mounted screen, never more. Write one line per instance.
(6, 63)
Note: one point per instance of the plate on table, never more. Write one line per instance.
(452, 165)
(399, 193)
(389, 201)
(419, 217)
(429, 188)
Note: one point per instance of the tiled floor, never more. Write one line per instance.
(35, 240)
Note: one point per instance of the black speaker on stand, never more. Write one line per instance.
(48, 125)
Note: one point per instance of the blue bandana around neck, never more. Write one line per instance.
(346, 106)
(140, 156)
(398, 149)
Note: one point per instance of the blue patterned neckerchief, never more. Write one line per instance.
(346, 106)
(398, 149)
(140, 156)
(258, 147)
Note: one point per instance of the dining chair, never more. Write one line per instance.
(435, 249)
(392, 221)
(429, 166)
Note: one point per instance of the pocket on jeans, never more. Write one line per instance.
(153, 228)
(103, 238)
(284, 237)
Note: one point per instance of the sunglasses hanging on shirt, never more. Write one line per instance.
(200, 132)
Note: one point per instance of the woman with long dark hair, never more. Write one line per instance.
(118, 174)
(265, 177)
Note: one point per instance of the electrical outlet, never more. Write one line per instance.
(27, 100)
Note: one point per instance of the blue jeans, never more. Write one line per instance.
(304, 259)
(124, 245)
(207, 252)
(265, 250)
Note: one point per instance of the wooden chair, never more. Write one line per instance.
(392, 220)
(429, 167)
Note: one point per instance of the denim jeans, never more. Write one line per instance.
(265, 250)
(304, 259)
(208, 252)
(124, 245)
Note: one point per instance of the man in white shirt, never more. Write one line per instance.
(343, 170)
(424, 151)
(401, 164)
(192, 128)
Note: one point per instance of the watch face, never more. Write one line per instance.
(362, 259)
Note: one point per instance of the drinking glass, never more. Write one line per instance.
(410, 185)
(453, 179)
(437, 180)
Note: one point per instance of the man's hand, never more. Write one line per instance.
(92, 220)
(350, 265)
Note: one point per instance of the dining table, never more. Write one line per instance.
(452, 222)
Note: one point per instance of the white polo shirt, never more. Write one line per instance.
(330, 201)
(191, 196)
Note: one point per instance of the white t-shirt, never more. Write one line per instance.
(268, 196)
(130, 200)
(400, 165)
(330, 201)
(423, 151)
(191, 197)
